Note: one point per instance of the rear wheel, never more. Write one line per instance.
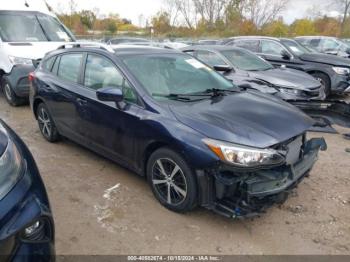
(172, 181)
(46, 125)
(325, 82)
(9, 94)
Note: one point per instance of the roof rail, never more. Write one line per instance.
(86, 45)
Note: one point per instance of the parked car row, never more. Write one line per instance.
(331, 71)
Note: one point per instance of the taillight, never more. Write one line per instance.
(31, 77)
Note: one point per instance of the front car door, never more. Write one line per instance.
(109, 128)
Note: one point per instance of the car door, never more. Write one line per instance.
(109, 128)
(272, 52)
(62, 94)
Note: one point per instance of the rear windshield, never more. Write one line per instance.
(32, 27)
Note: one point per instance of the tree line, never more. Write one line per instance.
(213, 18)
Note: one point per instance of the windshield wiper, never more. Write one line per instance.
(214, 92)
(183, 97)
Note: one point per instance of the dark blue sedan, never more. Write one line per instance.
(196, 137)
(26, 224)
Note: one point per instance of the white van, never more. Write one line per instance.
(28, 30)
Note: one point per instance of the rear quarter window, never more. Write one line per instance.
(48, 63)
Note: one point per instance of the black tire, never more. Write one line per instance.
(324, 79)
(182, 186)
(46, 124)
(9, 94)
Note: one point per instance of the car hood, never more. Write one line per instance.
(326, 59)
(286, 78)
(3, 139)
(246, 118)
(31, 50)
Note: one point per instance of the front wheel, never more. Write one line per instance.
(172, 181)
(46, 125)
(325, 82)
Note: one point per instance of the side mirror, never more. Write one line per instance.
(223, 68)
(245, 86)
(285, 55)
(110, 94)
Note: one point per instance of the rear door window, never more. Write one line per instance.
(69, 67)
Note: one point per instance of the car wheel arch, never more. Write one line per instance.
(153, 147)
(315, 72)
(36, 104)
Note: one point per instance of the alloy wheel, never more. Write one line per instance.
(8, 92)
(321, 81)
(169, 181)
(45, 123)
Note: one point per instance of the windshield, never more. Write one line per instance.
(166, 74)
(295, 47)
(20, 27)
(343, 46)
(246, 61)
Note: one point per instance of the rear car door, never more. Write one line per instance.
(108, 128)
(62, 94)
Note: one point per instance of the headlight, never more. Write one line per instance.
(20, 60)
(10, 168)
(244, 156)
(341, 70)
(290, 91)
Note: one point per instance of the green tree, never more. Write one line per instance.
(161, 23)
(87, 18)
(276, 28)
(303, 27)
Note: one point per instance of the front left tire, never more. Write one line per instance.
(172, 181)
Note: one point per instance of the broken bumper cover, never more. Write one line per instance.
(239, 195)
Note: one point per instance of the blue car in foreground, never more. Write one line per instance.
(26, 224)
(197, 138)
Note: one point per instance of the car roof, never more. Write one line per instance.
(255, 37)
(211, 47)
(117, 50)
(316, 37)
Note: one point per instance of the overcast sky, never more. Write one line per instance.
(132, 9)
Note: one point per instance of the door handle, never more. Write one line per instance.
(81, 102)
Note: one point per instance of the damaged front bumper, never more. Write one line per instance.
(238, 194)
